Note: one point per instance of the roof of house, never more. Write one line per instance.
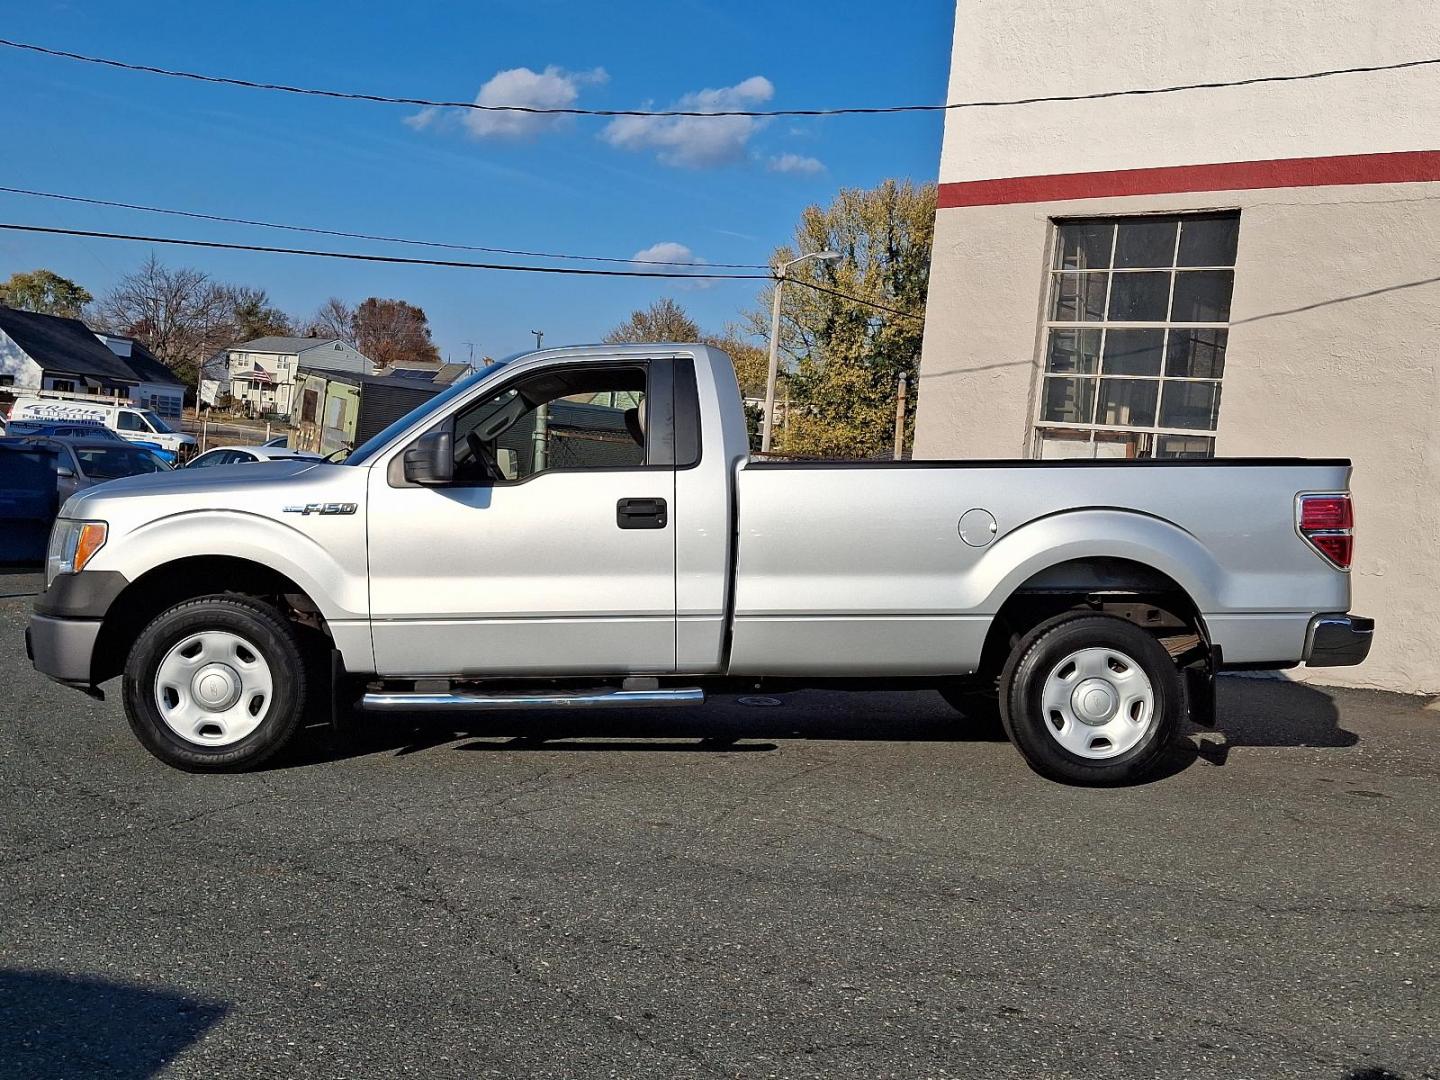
(148, 367)
(450, 372)
(282, 345)
(357, 378)
(64, 346)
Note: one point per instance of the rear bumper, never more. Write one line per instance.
(1338, 640)
(62, 648)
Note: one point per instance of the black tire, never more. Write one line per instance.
(260, 625)
(1040, 652)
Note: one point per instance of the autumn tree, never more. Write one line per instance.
(752, 363)
(393, 332)
(846, 356)
(45, 292)
(664, 320)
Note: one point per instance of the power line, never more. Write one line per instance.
(399, 259)
(384, 99)
(356, 256)
(856, 299)
(196, 215)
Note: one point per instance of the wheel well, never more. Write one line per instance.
(1131, 590)
(173, 583)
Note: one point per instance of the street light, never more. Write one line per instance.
(539, 337)
(780, 271)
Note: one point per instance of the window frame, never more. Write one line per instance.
(660, 422)
(1049, 325)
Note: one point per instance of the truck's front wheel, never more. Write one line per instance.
(1091, 699)
(216, 684)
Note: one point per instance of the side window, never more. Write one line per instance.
(584, 417)
(130, 421)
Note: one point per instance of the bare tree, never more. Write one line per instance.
(180, 314)
(663, 320)
(335, 319)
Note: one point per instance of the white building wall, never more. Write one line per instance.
(1336, 305)
(16, 363)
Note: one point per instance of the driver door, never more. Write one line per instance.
(552, 551)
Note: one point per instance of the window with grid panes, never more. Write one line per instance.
(1135, 335)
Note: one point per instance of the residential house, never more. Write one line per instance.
(159, 388)
(262, 373)
(48, 352)
(1240, 271)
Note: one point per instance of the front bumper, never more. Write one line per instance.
(1338, 640)
(62, 648)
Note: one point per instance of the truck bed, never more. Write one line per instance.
(846, 563)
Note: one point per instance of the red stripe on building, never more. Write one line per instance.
(1402, 168)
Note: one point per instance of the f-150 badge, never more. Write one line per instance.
(322, 508)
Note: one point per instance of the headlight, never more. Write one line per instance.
(72, 545)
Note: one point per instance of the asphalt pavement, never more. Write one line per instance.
(833, 886)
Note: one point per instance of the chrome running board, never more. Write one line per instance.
(474, 701)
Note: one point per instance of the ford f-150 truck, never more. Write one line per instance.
(583, 528)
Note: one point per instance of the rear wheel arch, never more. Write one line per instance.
(1100, 584)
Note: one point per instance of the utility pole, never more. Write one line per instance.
(539, 337)
(471, 346)
(900, 419)
(774, 373)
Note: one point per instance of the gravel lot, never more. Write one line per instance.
(840, 886)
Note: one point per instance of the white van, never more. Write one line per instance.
(128, 421)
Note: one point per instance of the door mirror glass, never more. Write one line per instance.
(430, 460)
(65, 472)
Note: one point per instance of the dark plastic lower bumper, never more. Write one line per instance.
(1338, 640)
(62, 648)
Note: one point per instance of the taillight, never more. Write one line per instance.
(1327, 523)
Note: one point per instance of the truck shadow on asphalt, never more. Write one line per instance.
(1251, 713)
(65, 1025)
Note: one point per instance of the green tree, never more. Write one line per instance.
(45, 292)
(664, 320)
(255, 316)
(845, 356)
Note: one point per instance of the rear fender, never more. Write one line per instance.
(1093, 533)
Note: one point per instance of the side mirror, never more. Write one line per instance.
(65, 472)
(430, 460)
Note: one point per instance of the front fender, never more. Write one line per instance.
(325, 555)
(1022, 553)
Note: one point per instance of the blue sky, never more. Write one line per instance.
(726, 193)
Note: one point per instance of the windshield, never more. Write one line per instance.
(367, 449)
(156, 424)
(111, 462)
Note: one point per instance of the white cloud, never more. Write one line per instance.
(696, 142)
(796, 163)
(553, 88)
(667, 251)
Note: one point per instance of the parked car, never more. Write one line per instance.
(130, 422)
(582, 528)
(280, 441)
(84, 462)
(242, 455)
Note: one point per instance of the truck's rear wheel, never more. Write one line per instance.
(216, 684)
(1091, 699)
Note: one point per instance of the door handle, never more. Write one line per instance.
(640, 514)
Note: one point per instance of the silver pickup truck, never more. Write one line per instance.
(582, 528)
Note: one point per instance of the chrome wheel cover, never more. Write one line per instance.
(213, 688)
(1098, 703)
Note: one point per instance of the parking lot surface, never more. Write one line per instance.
(834, 886)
